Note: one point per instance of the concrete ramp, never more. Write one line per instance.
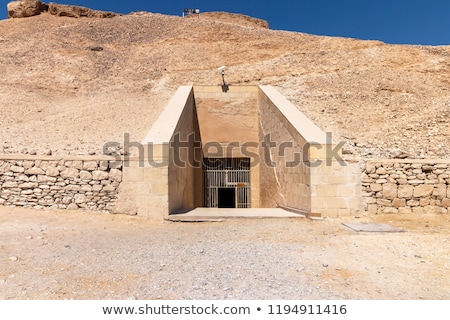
(220, 214)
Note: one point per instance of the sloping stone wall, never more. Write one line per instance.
(53, 183)
(406, 186)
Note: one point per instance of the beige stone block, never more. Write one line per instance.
(346, 191)
(405, 191)
(318, 202)
(440, 191)
(90, 165)
(86, 188)
(317, 179)
(380, 170)
(317, 151)
(423, 190)
(384, 202)
(327, 190)
(336, 203)
(413, 203)
(132, 163)
(68, 173)
(28, 164)
(115, 175)
(389, 191)
(17, 169)
(397, 203)
(154, 174)
(372, 208)
(418, 210)
(85, 175)
(54, 172)
(337, 179)
(109, 188)
(97, 187)
(133, 174)
(144, 189)
(390, 210)
(77, 164)
(445, 203)
(424, 202)
(99, 175)
(160, 187)
(43, 178)
(34, 171)
(404, 210)
(355, 204)
(322, 170)
(435, 202)
(432, 209)
(375, 187)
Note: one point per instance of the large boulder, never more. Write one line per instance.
(29, 8)
(25, 8)
(64, 10)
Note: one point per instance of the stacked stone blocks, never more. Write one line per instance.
(55, 183)
(406, 186)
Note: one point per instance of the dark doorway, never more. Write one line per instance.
(230, 174)
(227, 197)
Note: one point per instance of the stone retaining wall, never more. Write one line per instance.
(406, 186)
(54, 183)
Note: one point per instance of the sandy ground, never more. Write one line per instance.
(81, 255)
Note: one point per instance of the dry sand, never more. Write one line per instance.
(80, 255)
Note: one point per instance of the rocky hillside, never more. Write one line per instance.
(70, 83)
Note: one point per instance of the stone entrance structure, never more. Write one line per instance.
(248, 147)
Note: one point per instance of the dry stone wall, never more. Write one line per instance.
(59, 184)
(406, 186)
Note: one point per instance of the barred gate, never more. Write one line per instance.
(226, 182)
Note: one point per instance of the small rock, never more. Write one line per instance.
(72, 206)
(418, 256)
(325, 265)
(346, 151)
(402, 155)
(48, 152)
(13, 258)
(29, 237)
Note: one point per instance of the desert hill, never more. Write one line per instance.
(72, 84)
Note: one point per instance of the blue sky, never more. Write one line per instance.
(392, 21)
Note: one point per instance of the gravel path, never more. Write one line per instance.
(80, 255)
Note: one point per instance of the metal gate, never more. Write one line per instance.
(230, 173)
